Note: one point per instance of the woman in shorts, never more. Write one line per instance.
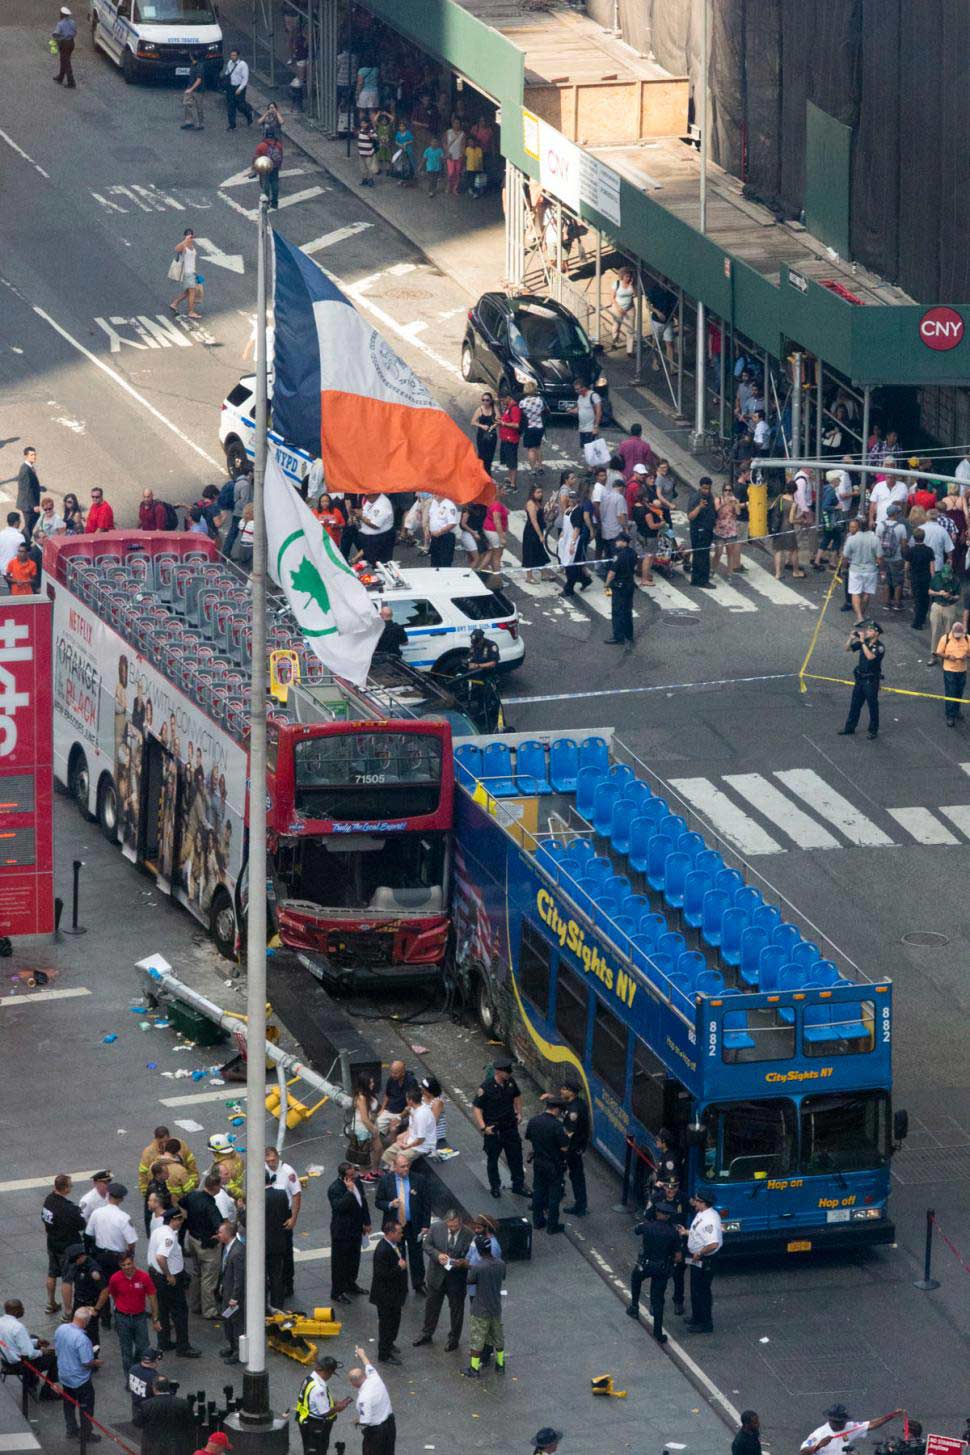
(533, 428)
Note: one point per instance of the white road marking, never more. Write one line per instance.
(108, 204)
(728, 598)
(160, 332)
(21, 153)
(358, 294)
(291, 199)
(26, 1441)
(77, 425)
(777, 592)
(828, 804)
(923, 824)
(232, 262)
(133, 393)
(959, 816)
(312, 1255)
(66, 994)
(239, 179)
(198, 1097)
(331, 239)
(726, 818)
(965, 767)
(29, 1184)
(668, 596)
(784, 814)
(248, 212)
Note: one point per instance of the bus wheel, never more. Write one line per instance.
(485, 1007)
(222, 924)
(79, 782)
(108, 809)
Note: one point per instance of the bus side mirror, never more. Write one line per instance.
(900, 1126)
(696, 1135)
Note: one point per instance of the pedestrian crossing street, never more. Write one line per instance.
(743, 593)
(795, 808)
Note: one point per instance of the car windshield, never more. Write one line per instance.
(542, 333)
(748, 1140)
(174, 12)
(845, 1133)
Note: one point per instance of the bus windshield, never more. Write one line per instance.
(845, 1133)
(367, 775)
(174, 12)
(749, 1139)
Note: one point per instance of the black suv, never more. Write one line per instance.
(509, 341)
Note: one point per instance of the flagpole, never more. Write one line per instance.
(257, 1428)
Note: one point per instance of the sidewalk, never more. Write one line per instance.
(466, 241)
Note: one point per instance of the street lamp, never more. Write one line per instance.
(703, 114)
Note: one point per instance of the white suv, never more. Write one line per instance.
(237, 434)
(440, 608)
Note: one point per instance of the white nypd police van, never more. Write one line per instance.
(158, 37)
(237, 435)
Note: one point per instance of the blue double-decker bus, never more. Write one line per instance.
(597, 930)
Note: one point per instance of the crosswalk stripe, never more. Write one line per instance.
(292, 198)
(767, 799)
(924, 826)
(330, 239)
(668, 596)
(850, 822)
(228, 1094)
(29, 1184)
(729, 598)
(959, 816)
(777, 592)
(965, 767)
(725, 816)
(65, 994)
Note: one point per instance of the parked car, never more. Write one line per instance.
(510, 340)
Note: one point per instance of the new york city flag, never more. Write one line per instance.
(341, 390)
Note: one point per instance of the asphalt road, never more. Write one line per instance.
(98, 185)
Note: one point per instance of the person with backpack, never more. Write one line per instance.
(269, 182)
(242, 494)
(892, 536)
(156, 514)
(830, 540)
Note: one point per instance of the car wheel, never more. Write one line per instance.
(108, 809)
(222, 924)
(129, 70)
(236, 457)
(468, 370)
(79, 782)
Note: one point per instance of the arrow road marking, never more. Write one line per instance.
(239, 179)
(212, 254)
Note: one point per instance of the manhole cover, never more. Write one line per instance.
(681, 618)
(406, 293)
(925, 937)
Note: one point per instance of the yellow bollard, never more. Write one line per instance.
(757, 511)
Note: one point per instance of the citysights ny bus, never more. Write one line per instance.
(604, 940)
(152, 646)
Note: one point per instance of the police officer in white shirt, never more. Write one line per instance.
(376, 529)
(111, 1230)
(316, 1409)
(838, 1432)
(374, 1413)
(443, 518)
(166, 1265)
(96, 1196)
(282, 1176)
(704, 1239)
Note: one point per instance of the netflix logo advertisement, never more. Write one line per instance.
(26, 767)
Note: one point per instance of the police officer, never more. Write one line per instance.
(497, 1109)
(316, 1409)
(576, 1120)
(549, 1140)
(659, 1250)
(483, 662)
(867, 674)
(86, 1279)
(143, 1380)
(668, 1162)
(620, 580)
(672, 1192)
(393, 638)
(63, 1225)
(705, 1237)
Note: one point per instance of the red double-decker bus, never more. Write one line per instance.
(26, 789)
(152, 651)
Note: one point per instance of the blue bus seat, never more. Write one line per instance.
(806, 954)
(696, 886)
(817, 1022)
(564, 764)
(622, 774)
(824, 973)
(651, 927)
(792, 977)
(469, 760)
(731, 880)
(598, 870)
(681, 983)
(604, 799)
(658, 851)
(641, 830)
(767, 918)
(691, 844)
(709, 862)
(593, 753)
(753, 941)
(770, 962)
(715, 905)
(624, 812)
(581, 851)
(733, 925)
(672, 944)
(849, 1020)
(587, 782)
(691, 963)
(617, 887)
(641, 949)
(676, 869)
(786, 936)
(709, 982)
(551, 856)
(640, 792)
(605, 909)
(749, 899)
(675, 825)
(530, 768)
(497, 765)
(621, 931)
(636, 904)
(734, 1031)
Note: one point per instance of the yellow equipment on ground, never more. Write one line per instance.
(287, 1331)
(603, 1384)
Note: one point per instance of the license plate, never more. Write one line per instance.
(181, 70)
(802, 1245)
(840, 1215)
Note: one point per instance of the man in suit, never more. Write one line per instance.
(349, 1224)
(232, 1284)
(403, 1194)
(389, 1289)
(446, 1248)
(28, 491)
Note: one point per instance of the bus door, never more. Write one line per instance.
(159, 816)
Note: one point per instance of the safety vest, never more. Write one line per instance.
(302, 1409)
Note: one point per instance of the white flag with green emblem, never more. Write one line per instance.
(332, 608)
